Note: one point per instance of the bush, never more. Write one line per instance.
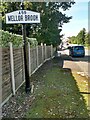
(6, 37)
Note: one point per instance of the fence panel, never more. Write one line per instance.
(33, 59)
(44, 52)
(18, 66)
(39, 54)
(6, 81)
(48, 51)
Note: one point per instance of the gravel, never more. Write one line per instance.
(18, 105)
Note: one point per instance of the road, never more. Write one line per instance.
(80, 64)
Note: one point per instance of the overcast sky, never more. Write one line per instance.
(79, 12)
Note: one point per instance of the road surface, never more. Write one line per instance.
(80, 64)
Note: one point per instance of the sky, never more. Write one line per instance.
(79, 13)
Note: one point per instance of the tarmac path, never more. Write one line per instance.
(79, 64)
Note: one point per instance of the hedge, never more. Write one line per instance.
(6, 37)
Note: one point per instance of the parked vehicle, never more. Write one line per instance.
(77, 51)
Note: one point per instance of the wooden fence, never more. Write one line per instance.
(12, 72)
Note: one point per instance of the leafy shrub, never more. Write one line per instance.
(6, 37)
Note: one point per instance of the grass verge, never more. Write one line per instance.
(57, 96)
(84, 87)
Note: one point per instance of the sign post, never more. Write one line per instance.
(27, 80)
(23, 17)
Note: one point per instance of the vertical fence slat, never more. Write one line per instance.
(12, 68)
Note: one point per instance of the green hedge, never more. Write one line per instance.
(6, 37)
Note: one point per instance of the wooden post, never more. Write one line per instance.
(29, 54)
(12, 68)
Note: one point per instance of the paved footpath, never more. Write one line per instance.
(68, 63)
(78, 64)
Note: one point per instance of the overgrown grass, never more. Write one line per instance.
(57, 96)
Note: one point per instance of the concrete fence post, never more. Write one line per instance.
(12, 68)
(29, 59)
(37, 56)
(23, 69)
(42, 53)
(51, 50)
(0, 82)
(45, 51)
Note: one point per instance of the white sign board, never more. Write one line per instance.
(22, 16)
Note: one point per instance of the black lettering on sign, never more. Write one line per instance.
(36, 17)
(15, 18)
(9, 18)
(25, 17)
(22, 12)
(31, 17)
(19, 12)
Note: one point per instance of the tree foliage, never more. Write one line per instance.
(72, 40)
(51, 18)
(82, 38)
(87, 39)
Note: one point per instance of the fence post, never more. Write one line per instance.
(23, 68)
(12, 68)
(37, 56)
(42, 53)
(51, 51)
(45, 51)
(29, 56)
(0, 81)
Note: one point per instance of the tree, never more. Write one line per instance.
(81, 37)
(87, 39)
(73, 40)
(51, 18)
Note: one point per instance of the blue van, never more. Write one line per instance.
(77, 51)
